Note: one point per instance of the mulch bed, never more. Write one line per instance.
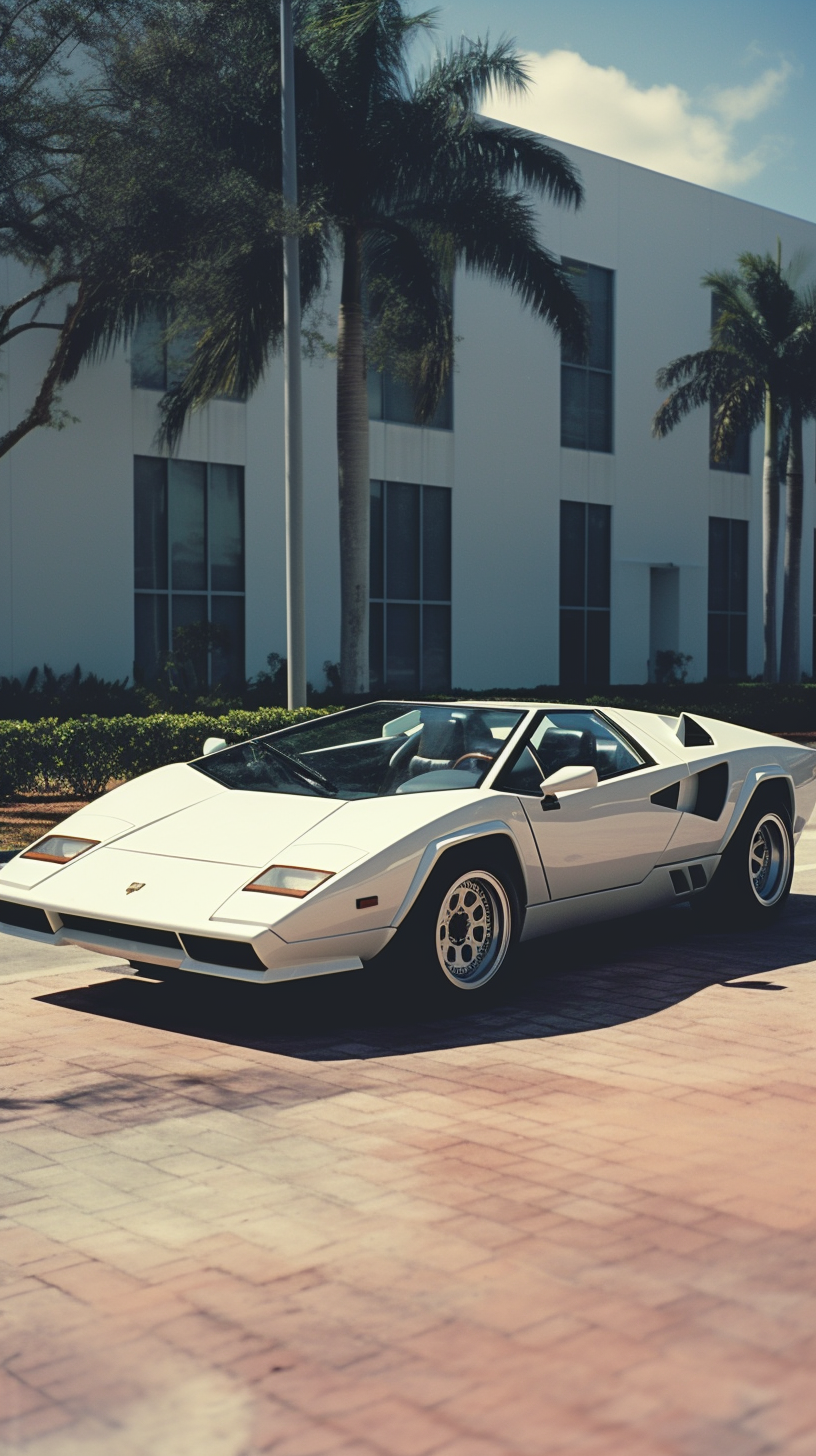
(31, 816)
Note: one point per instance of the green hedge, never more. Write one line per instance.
(82, 755)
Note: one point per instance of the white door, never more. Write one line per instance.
(596, 838)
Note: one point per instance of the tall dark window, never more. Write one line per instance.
(586, 381)
(410, 613)
(189, 563)
(159, 363)
(584, 593)
(739, 460)
(727, 598)
(391, 399)
(155, 363)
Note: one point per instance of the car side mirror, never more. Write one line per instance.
(214, 745)
(571, 776)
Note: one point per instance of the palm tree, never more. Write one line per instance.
(802, 404)
(749, 375)
(400, 181)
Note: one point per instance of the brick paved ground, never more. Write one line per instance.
(317, 1219)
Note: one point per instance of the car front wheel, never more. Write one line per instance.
(474, 929)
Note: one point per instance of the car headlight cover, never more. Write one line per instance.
(58, 848)
(289, 880)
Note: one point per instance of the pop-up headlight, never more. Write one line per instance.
(58, 848)
(289, 880)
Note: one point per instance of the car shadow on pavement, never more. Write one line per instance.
(567, 983)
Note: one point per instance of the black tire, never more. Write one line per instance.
(753, 881)
(465, 922)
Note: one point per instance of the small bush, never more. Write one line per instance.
(84, 754)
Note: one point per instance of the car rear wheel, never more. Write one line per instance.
(754, 879)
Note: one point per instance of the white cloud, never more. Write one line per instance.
(660, 127)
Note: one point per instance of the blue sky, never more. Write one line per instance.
(722, 93)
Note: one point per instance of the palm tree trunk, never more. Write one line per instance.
(790, 665)
(770, 536)
(353, 468)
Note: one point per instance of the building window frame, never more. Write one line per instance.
(727, 598)
(163, 600)
(587, 380)
(391, 401)
(584, 591)
(419, 613)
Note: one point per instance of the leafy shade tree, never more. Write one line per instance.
(400, 180)
(43, 112)
(751, 372)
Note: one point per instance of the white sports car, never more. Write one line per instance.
(454, 829)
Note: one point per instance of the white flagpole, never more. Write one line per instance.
(293, 428)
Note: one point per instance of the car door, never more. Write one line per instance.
(596, 838)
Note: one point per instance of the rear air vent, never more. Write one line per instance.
(712, 787)
(24, 917)
(89, 926)
(692, 734)
(698, 877)
(681, 884)
(238, 954)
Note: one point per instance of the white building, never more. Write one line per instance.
(579, 545)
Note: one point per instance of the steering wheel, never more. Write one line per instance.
(488, 758)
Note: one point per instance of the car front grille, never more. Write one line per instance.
(24, 917)
(238, 954)
(89, 926)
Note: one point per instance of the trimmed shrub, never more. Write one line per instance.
(83, 754)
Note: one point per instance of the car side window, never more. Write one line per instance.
(582, 738)
(559, 739)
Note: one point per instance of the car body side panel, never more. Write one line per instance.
(655, 891)
(603, 837)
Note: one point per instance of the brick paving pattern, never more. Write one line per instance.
(328, 1218)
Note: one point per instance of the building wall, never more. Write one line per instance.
(66, 497)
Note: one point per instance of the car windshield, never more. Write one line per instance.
(369, 752)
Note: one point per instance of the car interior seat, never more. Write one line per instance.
(440, 744)
(562, 746)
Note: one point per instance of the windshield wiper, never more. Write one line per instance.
(304, 772)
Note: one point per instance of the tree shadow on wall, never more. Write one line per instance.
(562, 984)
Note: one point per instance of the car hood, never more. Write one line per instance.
(234, 827)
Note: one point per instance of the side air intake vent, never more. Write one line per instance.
(692, 734)
(667, 798)
(24, 917)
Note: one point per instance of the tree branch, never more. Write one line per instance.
(51, 286)
(40, 412)
(24, 329)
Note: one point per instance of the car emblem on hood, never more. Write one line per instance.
(137, 885)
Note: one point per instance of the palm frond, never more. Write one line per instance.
(495, 234)
(411, 316)
(469, 72)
